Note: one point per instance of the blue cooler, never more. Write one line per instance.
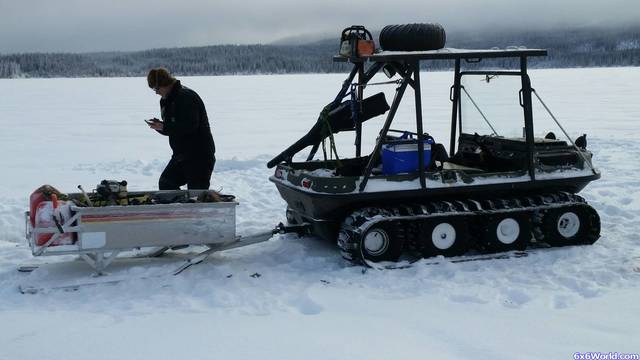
(401, 156)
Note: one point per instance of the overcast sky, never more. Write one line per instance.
(89, 25)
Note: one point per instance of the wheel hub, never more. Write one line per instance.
(508, 231)
(568, 224)
(443, 236)
(376, 242)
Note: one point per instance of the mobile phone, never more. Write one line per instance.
(151, 121)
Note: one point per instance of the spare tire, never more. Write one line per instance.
(412, 37)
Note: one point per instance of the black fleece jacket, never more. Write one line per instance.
(187, 125)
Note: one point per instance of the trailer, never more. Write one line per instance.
(171, 220)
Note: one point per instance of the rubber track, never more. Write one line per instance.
(357, 223)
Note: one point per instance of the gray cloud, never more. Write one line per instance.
(79, 26)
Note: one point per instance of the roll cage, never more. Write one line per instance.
(407, 66)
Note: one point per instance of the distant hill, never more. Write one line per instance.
(585, 47)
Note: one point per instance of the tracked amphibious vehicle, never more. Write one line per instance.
(491, 193)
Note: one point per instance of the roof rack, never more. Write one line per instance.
(446, 54)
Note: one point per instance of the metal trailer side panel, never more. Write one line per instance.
(117, 228)
(122, 227)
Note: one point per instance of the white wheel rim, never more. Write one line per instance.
(443, 236)
(508, 231)
(568, 224)
(376, 242)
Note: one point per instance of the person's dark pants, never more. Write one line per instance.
(196, 174)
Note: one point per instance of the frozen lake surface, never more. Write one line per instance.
(308, 302)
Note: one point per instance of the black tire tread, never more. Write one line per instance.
(412, 37)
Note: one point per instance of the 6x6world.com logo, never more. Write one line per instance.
(605, 356)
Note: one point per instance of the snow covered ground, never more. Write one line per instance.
(293, 298)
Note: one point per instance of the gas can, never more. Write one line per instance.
(45, 214)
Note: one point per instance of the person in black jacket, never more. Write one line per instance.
(185, 122)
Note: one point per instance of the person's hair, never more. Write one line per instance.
(160, 77)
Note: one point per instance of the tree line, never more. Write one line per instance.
(588, 47)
